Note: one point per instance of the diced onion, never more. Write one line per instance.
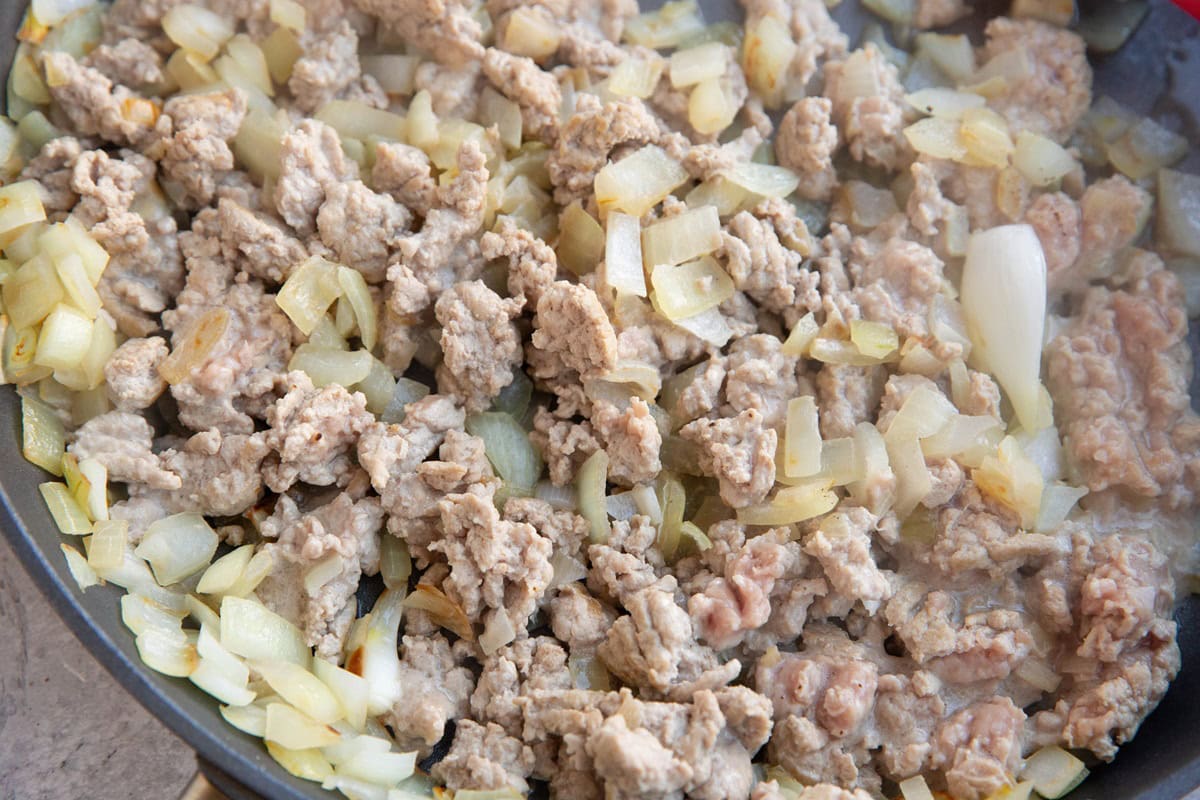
(913, 481)
(75, 281)
(350, 690)
(873, 339)
(871, 457)
(328, 366)
(134, 575)
(52, 12)
(79, 568)
(307, 763)
(1040, 160)
(356, 120)
(671, 24)
(68, 516)
(966, 439)
(260, 566)
(289, 14)
(582, 241)
(695, 64)
(1058, 499)
(32, 292)
(837, 351)
(295, 730)
(839, 465)
(258, 144)
(321, 572)
(1038, 674)
(1053, 772)
(1145, 148)
(210, 679)
(709, 325)
(790, 505)
(395, 564)
(508, 447)
(299, 687)
(951, 53)
(385, 769)
(1004, 303)
(984, 134)
(721, 193)
(442, 610)
(915, 788)
(177, 546)
(169, 653)
(422, 123)
(620, 506)
(638, 182)
(251, 719)
(407, 391)
(802, 439)
(590, 483)
(937, 137)
(191, 71)
(199, 611)
(636, 76)
(528, 33)
(1178, 214)
(396, 74)
(711, 108)
(251, 630)
(691, 288)
(673, 500)
(944, 103)
(109, 541)
(1013, 480)
(767, 55)
(623, 259)
(1107, 26)
(497, 633)
(64, 339)
(762, 180)
(309, 292)
(801, 336)
(496, 109)
(197, 29)
(194, 345)
(43, 438)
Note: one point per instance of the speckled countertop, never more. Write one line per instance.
(67, 729)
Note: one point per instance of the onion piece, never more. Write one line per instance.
(396, 74)
(673, 500)
(350, 690)
(309, 292)
(623, 259)
(251, 630)
(1053, 772)
(194, 345)
(638, 182)
(802, 439)
(307, 763)
(178, 546)
(32, 292)
(140, 614)
(384, 769)
(582, 242)
(915, 788)
(561, 498)
(791, 505)
(171, 653)
(1108, 25)
(937, 137)
(201, 613)
(1179, 213)
(873, 339)
(836, 351)
(871, 455)
(258, 144)
(944, 103)
(695, 64)
(498, 631)
(671, 24)
(508, 447)
(299, 687)
(294, 730)
(260, 566)
(590, 483)
(1145, 148)
(197, 29)
(444, 611)
(289, 14)
(1058, 499)
(251, 719)
(357, 120)
(1041, 161)
(636, 76)
(1004, 304)
(801, 336)
(407, 391)
(691, 288)
(64, 339)
(327, 366)
(1013, 480)
(767, 55)
(528, 33)
(110, 539)
(966, 439)
(708, 325)
(684, 237)
(762, 180)
(395, 563)
(220, 673)
(79, 568)
(711, 107)
(67, 514)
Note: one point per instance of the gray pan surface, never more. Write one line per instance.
(1157, 73)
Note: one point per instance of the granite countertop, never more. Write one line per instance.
(67, 728)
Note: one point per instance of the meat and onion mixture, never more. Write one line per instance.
(730, 410)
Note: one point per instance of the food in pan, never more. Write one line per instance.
(729, 411)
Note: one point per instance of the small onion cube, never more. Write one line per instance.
(442, 609)
(67, 514)
(140, 614)
(801, 336)
(79, 568)
(530, 33)
(251, 630)
(260, 566)
(197, 29)
(289, 14)
(294, 730)
(177, 547)
(305, 763)
(695, 64)
(709, 326)
(937, 137)
(171, 653)
(194, 344)
(767, 56)
(802, 439)
(395, 73)
(687, 236)
(110, 538)
(638, 182)
(763, 180)
(508, 448)
(667, 26)
(873, 339)
(623, 262)
(1053, 772)
(1041, 161)
(31, 293)
(590, 482)
(222, 575)
(582, 242)
(64, 339)
(711, 108)
(915, 788)
(380, 769)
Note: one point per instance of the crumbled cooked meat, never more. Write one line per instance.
(848, 395)
(430, 670)
(221, 475)
(1118, 374)
(312, 433)
(1053, 97)
(361, 227)
(53, 168)
(759, 376)
(132, 373)
(896, 285)
(572, 332)
(406, 174)
(842, 545)
(632, 440)
(807, 141)
(123, 443)
(129, 62)
(1056, 219)
(259, 243)
(532, 264)
(765, 264)
(1128, 591)
(979, 748)
(95, 106)
(445, 29)
(588, 139)
(480, 345)
(496, 566)
(564, 445)
(311, 162)
(524, 667)
(536, 92)
(870, 123)
(484, 758)
(328, 67)
(193, 145)
(739, 452)
(579, 619)
(346, 528)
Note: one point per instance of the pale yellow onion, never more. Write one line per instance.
(357, 120)
(684, 237)
(305, 763)
(709, 326)
(691, 288)
(667, 26)
(109, 540)
(384, 769)
(67, 514)
(1053, 772)
(726, 196)
(623, 261)
(79, 568)
(396, 74)
(915, 788)
(937, 137)
(20, 205)
(636, 76)
(289, 14)
(177, 546)
(791, 505)
(532, 34)
(290, 728)
(194, 344)
(801, 336)
(984, 134)
(64, 339)
(197, 29)
(582, 242)
(802, 439)
(695, 64)
(497, 632)
(1058, 499)
(251, 62)
(871, 457)
(762, 180)
(767, 55)
(1010, 478)
(442, 610)
(638, 182)
(496, 109)
(1178, 213)
(1004, 304)
(945, 103)
(350, 690)
(251, 719)
(191, 71)
(169, 653)
(1145, 148)
(1040, 160)
(261, 565)
(222, 574)
(140, 614)
(711, 107)
(282, 49)
(590, 482)
(304, 691)
(251, 630)
(422, 123)
(952, 53)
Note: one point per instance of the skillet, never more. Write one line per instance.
(1156, 73)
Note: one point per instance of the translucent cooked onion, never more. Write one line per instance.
(711, 108)
(67, 514)
(357, 120)
(1058, 499)
(140, 614)
(1145, 148)
(767, 55)
(194, 345)
(984, 134)
(1041, 161)
(307, 764)
(591, 483)
(944, 103)
(636, 76)
(251, 64)
(197, 29)
(623, 259)
(762, 180)
(289, 14)
(177, 546)
(582, 241)
(671, 24)
(43, 438)
(966, 439)
(309, 292)
(64, 339)
(299, 687)
(915, 788)
(442, 610)
(395, 563)
(1013, 480)
(326, 366)
(79, 568)
(801, 336)
(497, 632)
(396, 74)
(691, 288)
(684, 237)
(709, 326)
(251, 630)
(937, 137)
(1053, 772)
(170, 653)
(871, 457)
(1004, 304)
(638, 182)
(223, 574)
(528, 33)
(110, 538)
(350, 690)
(802, 439)
(1178, 214)
(508, 447)
(791, 505)
(695, 64)
(20, 205)
(258, 144)
(290, 728)
(726, 196)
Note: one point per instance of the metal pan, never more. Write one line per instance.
(1157, 73)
